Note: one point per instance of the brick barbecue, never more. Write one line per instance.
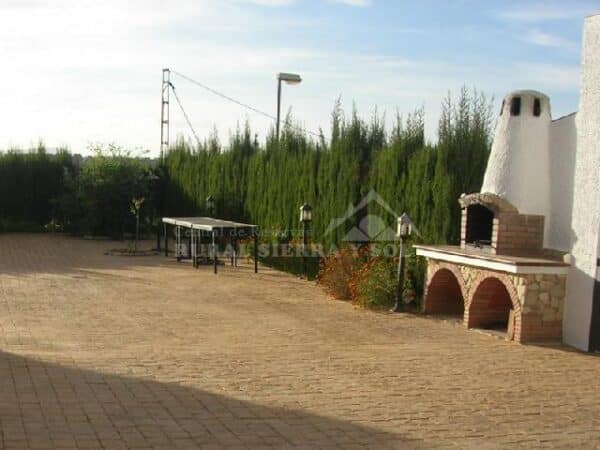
(500, 277)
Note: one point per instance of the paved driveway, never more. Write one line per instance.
(103, 351)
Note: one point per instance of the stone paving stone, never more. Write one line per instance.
(113, 352)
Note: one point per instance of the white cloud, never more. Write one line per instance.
(540, 38)
(553, 77)
(84, 71)
(359, 3)
(272, 3)
(547, 11)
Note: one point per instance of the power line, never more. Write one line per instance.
(239, 103)
(187, 119)
(226, 97)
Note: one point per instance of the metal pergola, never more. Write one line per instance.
(210, 227)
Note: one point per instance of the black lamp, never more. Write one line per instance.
(210, 205)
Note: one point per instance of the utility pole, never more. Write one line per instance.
(164, 112)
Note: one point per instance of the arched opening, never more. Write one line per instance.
(491, 306)
(515, 106)
(444, 295)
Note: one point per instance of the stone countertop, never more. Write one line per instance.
(509, 259)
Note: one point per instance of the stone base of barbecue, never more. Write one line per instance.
(525, 304)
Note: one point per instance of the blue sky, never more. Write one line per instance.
(86, 71)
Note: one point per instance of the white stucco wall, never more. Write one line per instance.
(563, 148)
(519, 165)
(586, 195)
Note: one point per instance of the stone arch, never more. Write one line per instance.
(493, 303)
(491, 201)
(445, 293)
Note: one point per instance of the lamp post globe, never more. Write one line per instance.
(404, 229)
(305, 213)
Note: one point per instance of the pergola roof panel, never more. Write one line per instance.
(205, 223)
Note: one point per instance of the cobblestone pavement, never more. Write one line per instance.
(102, 351)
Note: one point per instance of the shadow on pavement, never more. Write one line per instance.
(47, 405)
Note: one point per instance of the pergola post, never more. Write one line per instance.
(189, 249)
(178, 242)
(166, 236)
(193, 247)
(214, 251)
(234, 254)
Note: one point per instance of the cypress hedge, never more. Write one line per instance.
(267, 184)
(30, 184)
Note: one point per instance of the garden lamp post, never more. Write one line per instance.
(404, 231)
(306, 219)
(289, 78)
(210, 205)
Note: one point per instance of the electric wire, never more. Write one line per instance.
(242, 104)
(187, 119)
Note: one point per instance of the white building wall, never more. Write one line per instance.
(519, 165)
(563, 149)
(586, 195)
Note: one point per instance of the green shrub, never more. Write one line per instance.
(374, 284)
(107, 183)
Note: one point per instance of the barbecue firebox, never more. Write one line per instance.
(479, 226)
(492, 225)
